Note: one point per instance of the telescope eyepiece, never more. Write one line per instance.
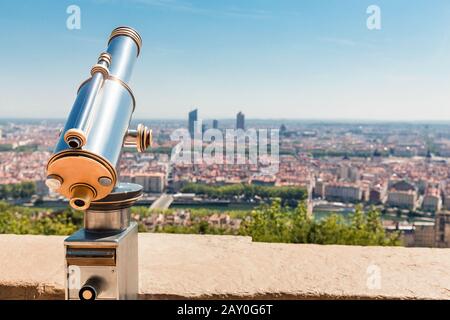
(74, 143)
(82, 196)
(75, 138)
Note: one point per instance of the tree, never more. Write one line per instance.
(19, 190)
(18, 220)
(301, 224)
(289, 195)
(268, 224)
(332, 230)
(276, 223)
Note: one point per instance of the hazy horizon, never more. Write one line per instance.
(296, 120)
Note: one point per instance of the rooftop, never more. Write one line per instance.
(203, 266)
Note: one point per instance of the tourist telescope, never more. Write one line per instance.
(101, 258)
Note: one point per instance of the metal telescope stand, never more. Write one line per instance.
(102, 258)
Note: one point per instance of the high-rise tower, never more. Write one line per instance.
(240, 121)
(192, 122)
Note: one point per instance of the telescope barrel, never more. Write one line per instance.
(85, 161)
(101, 259)
(124, 45)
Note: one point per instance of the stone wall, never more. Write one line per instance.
(211, 267)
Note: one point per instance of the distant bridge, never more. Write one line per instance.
(163, 202)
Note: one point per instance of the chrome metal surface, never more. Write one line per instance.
(119, 280)
(141, 138)
(102, 258)
(112, 117)
(101, 220)
(85, 117)
(124, 195)
(107, 274)
(123, 50)
(106, 102)
(131, 139)
(85, 239)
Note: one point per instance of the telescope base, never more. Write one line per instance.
(102, 266)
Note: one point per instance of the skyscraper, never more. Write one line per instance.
(240, 121)
(192, 122)
(215, 124)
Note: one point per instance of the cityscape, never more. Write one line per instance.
(225, 155)
(400, 169)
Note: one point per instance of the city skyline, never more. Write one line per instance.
(312, 60)
(401, 170)
(318, 130)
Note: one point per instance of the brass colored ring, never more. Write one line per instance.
(100, 68)
(84, 185)
(86, 200)
(129, 32)
(140, 141)
(144, 138)
(75, 133)
(105, 56)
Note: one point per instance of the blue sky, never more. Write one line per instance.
(301, 59)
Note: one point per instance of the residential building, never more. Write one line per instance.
(442, 229)
(424, 234)
(319, 189)
(377, 194)
(432, 201)
(402, 199)
(343, 192)
(151, 182)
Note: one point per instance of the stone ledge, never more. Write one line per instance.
(220, 267)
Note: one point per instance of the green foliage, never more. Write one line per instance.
(19, 190)
(142, 211)
(163, 150)
(247, 191)
(19, 220)
(157, 150)
(268, 223)
(349, 153)
(274, 223)
(6, 147)
(27, 148)
(201, 227)
(199, 212)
